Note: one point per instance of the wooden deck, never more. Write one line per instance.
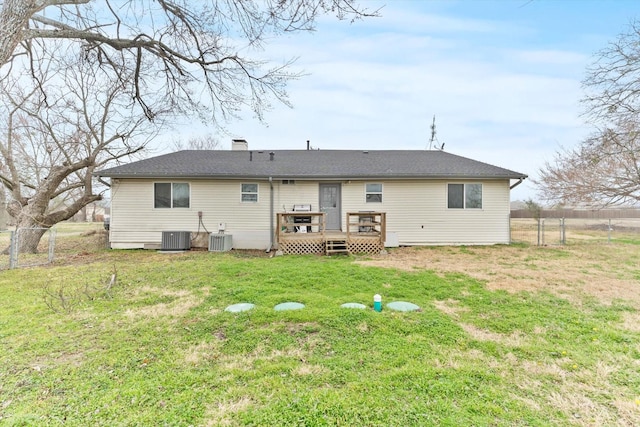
(365, 234)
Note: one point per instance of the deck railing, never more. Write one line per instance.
(366, 232)
(306, 233)
(301, 232)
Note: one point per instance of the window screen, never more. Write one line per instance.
(456, 196)
(162, 197)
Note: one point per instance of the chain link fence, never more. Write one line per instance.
(571, 231)
(543, 232)
(11, 257)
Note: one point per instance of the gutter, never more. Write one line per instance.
(516, 184)
(390, 177)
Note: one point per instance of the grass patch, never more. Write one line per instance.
(158, 348)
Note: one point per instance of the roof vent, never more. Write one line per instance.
(271, 155)
(239, 145)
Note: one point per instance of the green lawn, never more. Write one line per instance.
(157, 348)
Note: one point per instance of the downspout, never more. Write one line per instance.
(271, 243)
(516, 184)
(103, 181)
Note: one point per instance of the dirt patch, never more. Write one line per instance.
(607, 272)
(516, 339)
(203, 352)
(246, 362)
(219, 414)
(450, 307)
(182, 302)
(631, 321)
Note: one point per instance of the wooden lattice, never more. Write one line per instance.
(363, 234)
(302, 246)
(365, 246)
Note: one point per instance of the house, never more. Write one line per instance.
(425, 197)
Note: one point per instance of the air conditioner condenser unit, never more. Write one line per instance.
(220, 242)
(176, 241)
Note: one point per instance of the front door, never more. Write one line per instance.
(330, 201)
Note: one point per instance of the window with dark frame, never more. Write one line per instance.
(464, 196)
(171, 195)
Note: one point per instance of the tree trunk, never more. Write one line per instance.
(29, 235)
(14, 16)
(3, 210)
(32, 221)
(82, 215)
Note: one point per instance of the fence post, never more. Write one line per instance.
(563, 231)
(538, 231)
(609, 232)
(560, 229)
(542, 232)
(13, 249)
(52, 243)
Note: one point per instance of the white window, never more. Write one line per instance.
(464, 196)
(171, 195)
(249, 193)
(373, 193)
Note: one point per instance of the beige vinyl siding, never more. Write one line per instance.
(416, 211)
(300, 193)
(136, 222)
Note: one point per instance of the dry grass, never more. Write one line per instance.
(181, 302)
(218, 414)
(607, 272)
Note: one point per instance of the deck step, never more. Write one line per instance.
(336, 246)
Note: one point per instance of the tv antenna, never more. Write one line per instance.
(434, 144)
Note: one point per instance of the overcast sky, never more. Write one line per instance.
(501, 77)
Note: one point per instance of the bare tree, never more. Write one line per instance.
(612, 82)
(138, 60)
(56, 132)
(604, 169)
(174, 48)
(201, 142)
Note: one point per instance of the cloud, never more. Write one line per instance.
(498, 96)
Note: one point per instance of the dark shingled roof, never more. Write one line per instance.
(309, 164)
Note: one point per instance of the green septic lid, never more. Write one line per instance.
(353, 305)
(237, 308)
(288, 306)
(402, 306)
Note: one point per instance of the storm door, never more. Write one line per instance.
(330, 201)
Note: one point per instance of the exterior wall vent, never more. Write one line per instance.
(176, 241)
(220, 242)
